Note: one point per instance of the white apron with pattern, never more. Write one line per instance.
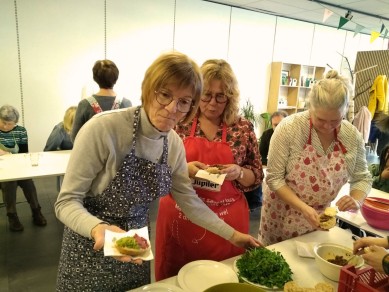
(316, 180)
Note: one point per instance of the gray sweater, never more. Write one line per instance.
(99, 151)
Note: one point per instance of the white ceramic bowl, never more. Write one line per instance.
(325, 251)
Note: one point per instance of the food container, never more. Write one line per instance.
(376, 212)
(234, 287)
(362, 280)
(325, 251)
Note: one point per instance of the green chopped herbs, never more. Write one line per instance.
(265, 267)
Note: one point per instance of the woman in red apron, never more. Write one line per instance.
(312, 155)
(211, 138)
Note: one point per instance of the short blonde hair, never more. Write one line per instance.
(332, 92)
(173, 68)
(219, 69)
(68, 118)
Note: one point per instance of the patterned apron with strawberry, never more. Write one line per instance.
(178, 240)
(316, 180)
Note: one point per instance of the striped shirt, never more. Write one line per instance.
(289, 139)
(17, 135)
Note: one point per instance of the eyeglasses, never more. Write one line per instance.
(219, 97)
(164, 97)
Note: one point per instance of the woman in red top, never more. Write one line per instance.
(217, 135)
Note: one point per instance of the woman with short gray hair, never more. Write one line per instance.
(13, 139)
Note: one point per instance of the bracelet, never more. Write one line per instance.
(241, 173)
(385, 264)
(359, 203)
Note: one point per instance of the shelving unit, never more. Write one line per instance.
(290, 85)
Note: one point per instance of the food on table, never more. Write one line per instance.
(319, 287)
(264, 267)
(132, 245)
(338, 260)
(214, 169)
(328, 218)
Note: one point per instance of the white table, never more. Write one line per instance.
(355, 218)
(18, 166)
(305, 271)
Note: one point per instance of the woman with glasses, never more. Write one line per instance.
(312, 154)
(217, 135)
(122, 161)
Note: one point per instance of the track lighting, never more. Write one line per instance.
(348, 15)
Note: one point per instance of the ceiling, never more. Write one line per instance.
(370, 14)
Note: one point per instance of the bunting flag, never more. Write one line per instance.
(327, 14)
(342, 21)
(382, 28)
(386, 33)
(374, 36)
(358, 29)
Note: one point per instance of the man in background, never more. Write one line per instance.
(264, 142)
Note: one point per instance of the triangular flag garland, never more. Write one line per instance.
(327, 14)
(342, 21)
(358, 29)
(382, 28)
(374, 36)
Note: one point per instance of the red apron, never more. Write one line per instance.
(316, 180)
(179, 241)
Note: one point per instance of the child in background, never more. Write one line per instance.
(380, 172)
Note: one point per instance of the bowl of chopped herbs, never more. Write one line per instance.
(264, 268)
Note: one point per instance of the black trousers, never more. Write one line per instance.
(9, 194)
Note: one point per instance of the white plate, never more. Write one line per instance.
(254, 284)
(110, 238)
(198, 276)
(159, 287)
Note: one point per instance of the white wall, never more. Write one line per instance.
(61, 40)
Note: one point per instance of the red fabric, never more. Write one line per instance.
(178, 240)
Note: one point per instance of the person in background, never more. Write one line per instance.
(264, 142)
(14, 139)
(105, 74)
(59, 138)
(375, 253)
(380, 172)
(216, 136)
(312, 155)
(122, 161)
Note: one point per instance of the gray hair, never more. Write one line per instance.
(278, 114)
(332, 92)
(9, 113)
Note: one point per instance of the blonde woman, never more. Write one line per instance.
(59, 138)
(217, 135)
(312, 154)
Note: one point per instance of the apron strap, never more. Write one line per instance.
(194, 125)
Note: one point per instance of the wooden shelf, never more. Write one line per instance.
(293, 89)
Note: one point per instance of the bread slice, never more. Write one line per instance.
(328, 218)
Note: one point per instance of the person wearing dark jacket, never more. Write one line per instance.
(264, 142)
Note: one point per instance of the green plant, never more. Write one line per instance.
(247, 111)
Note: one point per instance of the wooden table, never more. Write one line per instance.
(305, 271)
(355, 218)
(18, 166)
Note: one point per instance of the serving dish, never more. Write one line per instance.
(325, 251)
(234, 287)
(376, 212)
(198, 276)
